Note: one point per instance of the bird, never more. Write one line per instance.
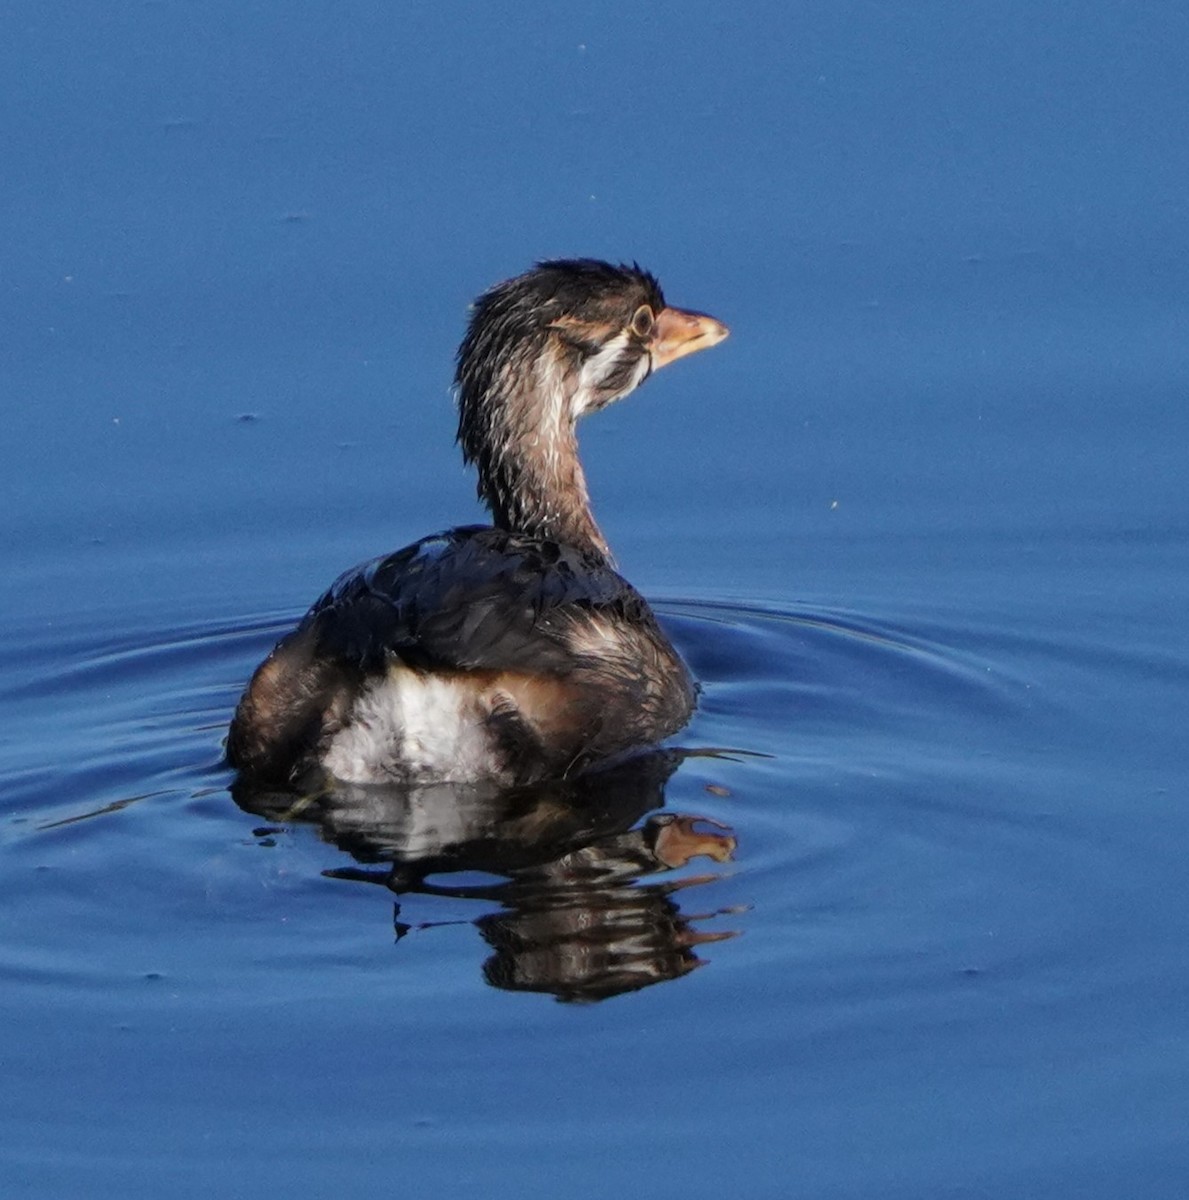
(506, 654)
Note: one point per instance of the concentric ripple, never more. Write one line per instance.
(874, 777)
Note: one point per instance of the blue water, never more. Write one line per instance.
(920, 527)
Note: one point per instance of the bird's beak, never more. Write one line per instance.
(678, 333)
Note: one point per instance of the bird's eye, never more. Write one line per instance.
(643, 320)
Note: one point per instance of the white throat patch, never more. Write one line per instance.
(597, 368)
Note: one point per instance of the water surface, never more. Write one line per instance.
(919, 527)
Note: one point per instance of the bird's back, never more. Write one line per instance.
(474, 654)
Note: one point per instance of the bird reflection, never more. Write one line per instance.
(580, 913)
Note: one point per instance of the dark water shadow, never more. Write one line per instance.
(575, 918)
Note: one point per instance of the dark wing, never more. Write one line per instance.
(474, 598)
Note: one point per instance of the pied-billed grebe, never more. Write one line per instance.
(502, 655)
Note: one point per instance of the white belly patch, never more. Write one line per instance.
(413, 728)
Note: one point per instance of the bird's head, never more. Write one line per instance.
(575, 332)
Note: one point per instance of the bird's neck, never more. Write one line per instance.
(526, 451)
(540, 489)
